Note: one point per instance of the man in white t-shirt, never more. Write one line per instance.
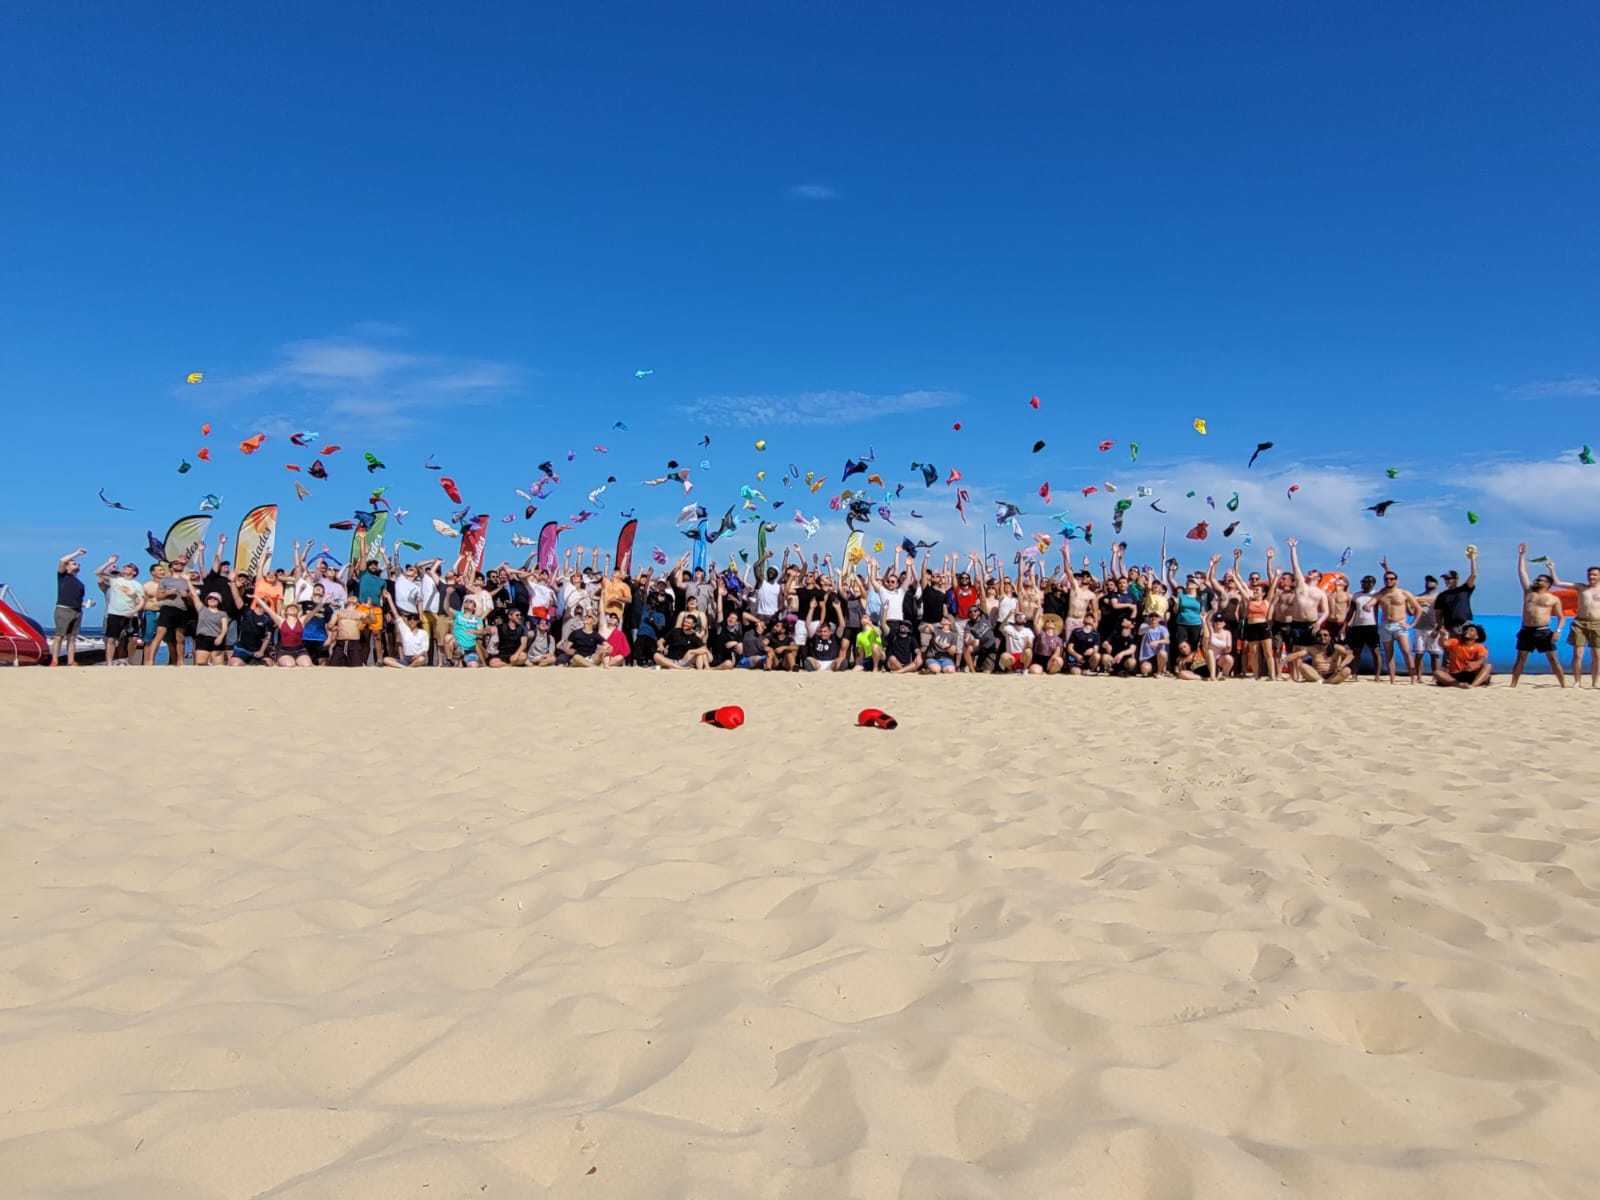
(541, 597)
(1361, 628)
(891, 590)
(124, 600)
(408, 591)
(768, 595)
(1019, 643)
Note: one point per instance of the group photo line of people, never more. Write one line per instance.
(910, 617)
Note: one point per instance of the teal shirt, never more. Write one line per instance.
(465, 629)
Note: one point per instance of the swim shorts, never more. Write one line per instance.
(1586, 632)
(1536, 639)
(1396, 631)
(1426, 641)
(120, 627)
(1463, 676)
(1361, 637)
(67, 621)
(1257, 631)
(1300, 633)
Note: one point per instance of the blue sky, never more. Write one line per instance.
(1366, 236)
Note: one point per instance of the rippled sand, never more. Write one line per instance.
(386, 934)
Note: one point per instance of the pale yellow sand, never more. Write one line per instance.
(362, 934)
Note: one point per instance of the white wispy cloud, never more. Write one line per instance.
(813, 191)
(1574, 386)
(355, 377)
(812, 408)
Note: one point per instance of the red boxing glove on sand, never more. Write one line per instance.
(729, 716)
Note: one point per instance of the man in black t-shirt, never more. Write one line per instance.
(903, 649)
(255, 631)
(585, 647)
(1118, 649)
(69, 608)
(822, 650)
(1083, 650)
(1453, 606)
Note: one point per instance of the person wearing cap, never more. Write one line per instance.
(210, 624)
(1453, 605)
(1425, 630)
(124, 601)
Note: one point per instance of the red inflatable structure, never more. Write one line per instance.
(22, 644)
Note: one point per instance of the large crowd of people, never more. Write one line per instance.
(957, 614)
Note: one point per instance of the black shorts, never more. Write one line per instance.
(1359, 637)
(204, 642)
(119, 627)
(1463, 676)
(1536, 639)
(172, 618)
(1300, 633)
(1257, 631)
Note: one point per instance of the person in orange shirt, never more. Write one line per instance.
(269, 590)
(1466, 660)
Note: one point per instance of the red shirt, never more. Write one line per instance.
(965, 598)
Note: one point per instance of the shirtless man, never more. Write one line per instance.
(1539, 605)
(1339, 608)
(1082, 603)
(1395, 605)
(1585, 627)
(1308, 612)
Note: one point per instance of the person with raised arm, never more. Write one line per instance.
(124, 603)
(1454, 604)
(1309, 611)
(69, 607)
(1585, 630)
(1540, 606)
(292, 651)
(1259, 657)
(1395, 607)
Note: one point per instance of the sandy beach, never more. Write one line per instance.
(359, 934)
